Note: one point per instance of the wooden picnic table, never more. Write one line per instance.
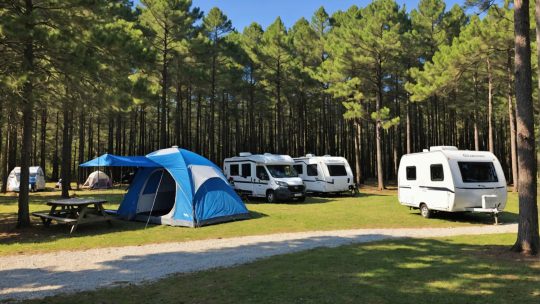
(75, 211)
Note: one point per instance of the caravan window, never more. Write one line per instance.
(234, 170)
(281, 171)
(337, 170)
(437, 173)
(411, 173)
(478, 172)
(261, 173)
(299, 169)
(312, 170)
(246, 170)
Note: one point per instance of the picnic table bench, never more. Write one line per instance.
(74, 211)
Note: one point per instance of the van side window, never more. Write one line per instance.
(312, 170)
(411, 173)
(437, 173)
(261, 173)
(246, 170)
(234, 170)
(299, 169)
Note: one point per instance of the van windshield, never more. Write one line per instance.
(280, 171)
(478, 172)
(336, 170)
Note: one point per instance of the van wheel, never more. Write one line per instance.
(424, 210)
(270, 196)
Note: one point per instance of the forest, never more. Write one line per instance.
(83, 78)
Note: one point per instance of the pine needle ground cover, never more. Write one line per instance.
(465, 269)
(371, 209)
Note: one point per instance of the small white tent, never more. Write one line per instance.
(36, 182)
(97, 180)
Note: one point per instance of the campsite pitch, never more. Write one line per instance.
(461, 269)
(371, 209)
(40, 275)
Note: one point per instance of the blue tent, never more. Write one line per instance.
(179, 188)
(109, 160)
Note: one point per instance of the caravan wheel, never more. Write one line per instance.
(270, 196)
(424, 210)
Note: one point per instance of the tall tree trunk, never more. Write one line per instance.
(527, 239)
(378, 131)
(23, 215)
(82, 141)
(512, 123)
(162, 127)
(358, 151)
(43, 139)
(490, 107)
(475, 115)
(55, 173)
(66, 152)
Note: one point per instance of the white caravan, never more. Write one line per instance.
(324, 174)
(447, 179)
(36, 182)
(264, 175)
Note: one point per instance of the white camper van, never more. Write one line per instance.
(36, 182)
(325, 174)
(447, 179)
(264, 175)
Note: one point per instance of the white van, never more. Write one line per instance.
(325, 174)
(264, 175)
(36, 182)
(447, 179)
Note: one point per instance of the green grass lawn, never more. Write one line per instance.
(369, 210)
(467, 269)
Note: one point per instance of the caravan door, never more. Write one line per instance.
(261, 181)
(437, 193)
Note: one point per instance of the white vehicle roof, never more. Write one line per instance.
(458, 155)
(266, 158)
(33, 169)
(311, 159)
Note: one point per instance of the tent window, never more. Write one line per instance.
(152, 183)
(437, 173)
(299, 169)
(246, 170)
(411, 173)
(312, 170)
(234, 170)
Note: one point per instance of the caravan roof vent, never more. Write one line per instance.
(326, 155)
(309, 155)
(267, 154)
(443, 148)
(176, 147)
(245, 154)
(425, 150)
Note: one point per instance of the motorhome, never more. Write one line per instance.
(264, 175)
(324, 174)
(36, 179)
(444, 178)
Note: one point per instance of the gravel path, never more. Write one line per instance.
(41, 275)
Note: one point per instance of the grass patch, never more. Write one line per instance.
(467, 269)
(371, 209)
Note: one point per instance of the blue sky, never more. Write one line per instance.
(244, 12)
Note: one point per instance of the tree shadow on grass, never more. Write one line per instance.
(393, 271)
